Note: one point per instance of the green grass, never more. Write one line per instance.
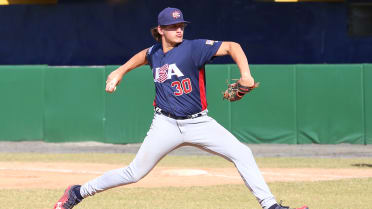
(188, 161)
(342, 194)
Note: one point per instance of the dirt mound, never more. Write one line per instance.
(58, 175)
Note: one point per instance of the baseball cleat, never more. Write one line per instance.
(280, 206)
(69, 199)
(286, 207)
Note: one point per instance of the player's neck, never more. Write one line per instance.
(167, 46)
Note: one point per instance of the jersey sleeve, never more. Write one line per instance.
(203, 50)
(148, 55)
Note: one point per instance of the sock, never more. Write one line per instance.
(274, 206)
(77, 192)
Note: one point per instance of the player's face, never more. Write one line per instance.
(173, 33)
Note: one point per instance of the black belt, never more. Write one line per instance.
(170, 115)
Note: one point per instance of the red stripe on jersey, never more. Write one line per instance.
(154, 103)
(203, 98)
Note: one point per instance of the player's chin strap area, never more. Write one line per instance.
(196, 115)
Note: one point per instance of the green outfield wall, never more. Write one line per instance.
(295, 104)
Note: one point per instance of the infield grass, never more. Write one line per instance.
(341, 194)
(338, 194)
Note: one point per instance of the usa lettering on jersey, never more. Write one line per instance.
(166, 72)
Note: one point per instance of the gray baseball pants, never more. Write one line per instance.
(167, 134)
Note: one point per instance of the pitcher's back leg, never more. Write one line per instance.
(210, 135)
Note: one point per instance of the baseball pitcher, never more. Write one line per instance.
(180, 110)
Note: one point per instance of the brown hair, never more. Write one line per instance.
(155, 34)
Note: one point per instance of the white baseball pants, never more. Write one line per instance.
(167, 134)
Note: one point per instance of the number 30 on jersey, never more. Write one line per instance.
(183, 87)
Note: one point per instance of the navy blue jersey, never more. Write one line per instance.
(179, 75)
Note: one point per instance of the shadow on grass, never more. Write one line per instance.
(362, 165)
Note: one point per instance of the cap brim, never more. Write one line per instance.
(176, 22)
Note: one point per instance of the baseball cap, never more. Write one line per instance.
(170, 16)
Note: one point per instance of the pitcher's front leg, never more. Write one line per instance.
(162, 138)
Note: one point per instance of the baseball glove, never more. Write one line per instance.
(236, 91)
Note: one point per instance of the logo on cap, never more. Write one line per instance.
(176, 14)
